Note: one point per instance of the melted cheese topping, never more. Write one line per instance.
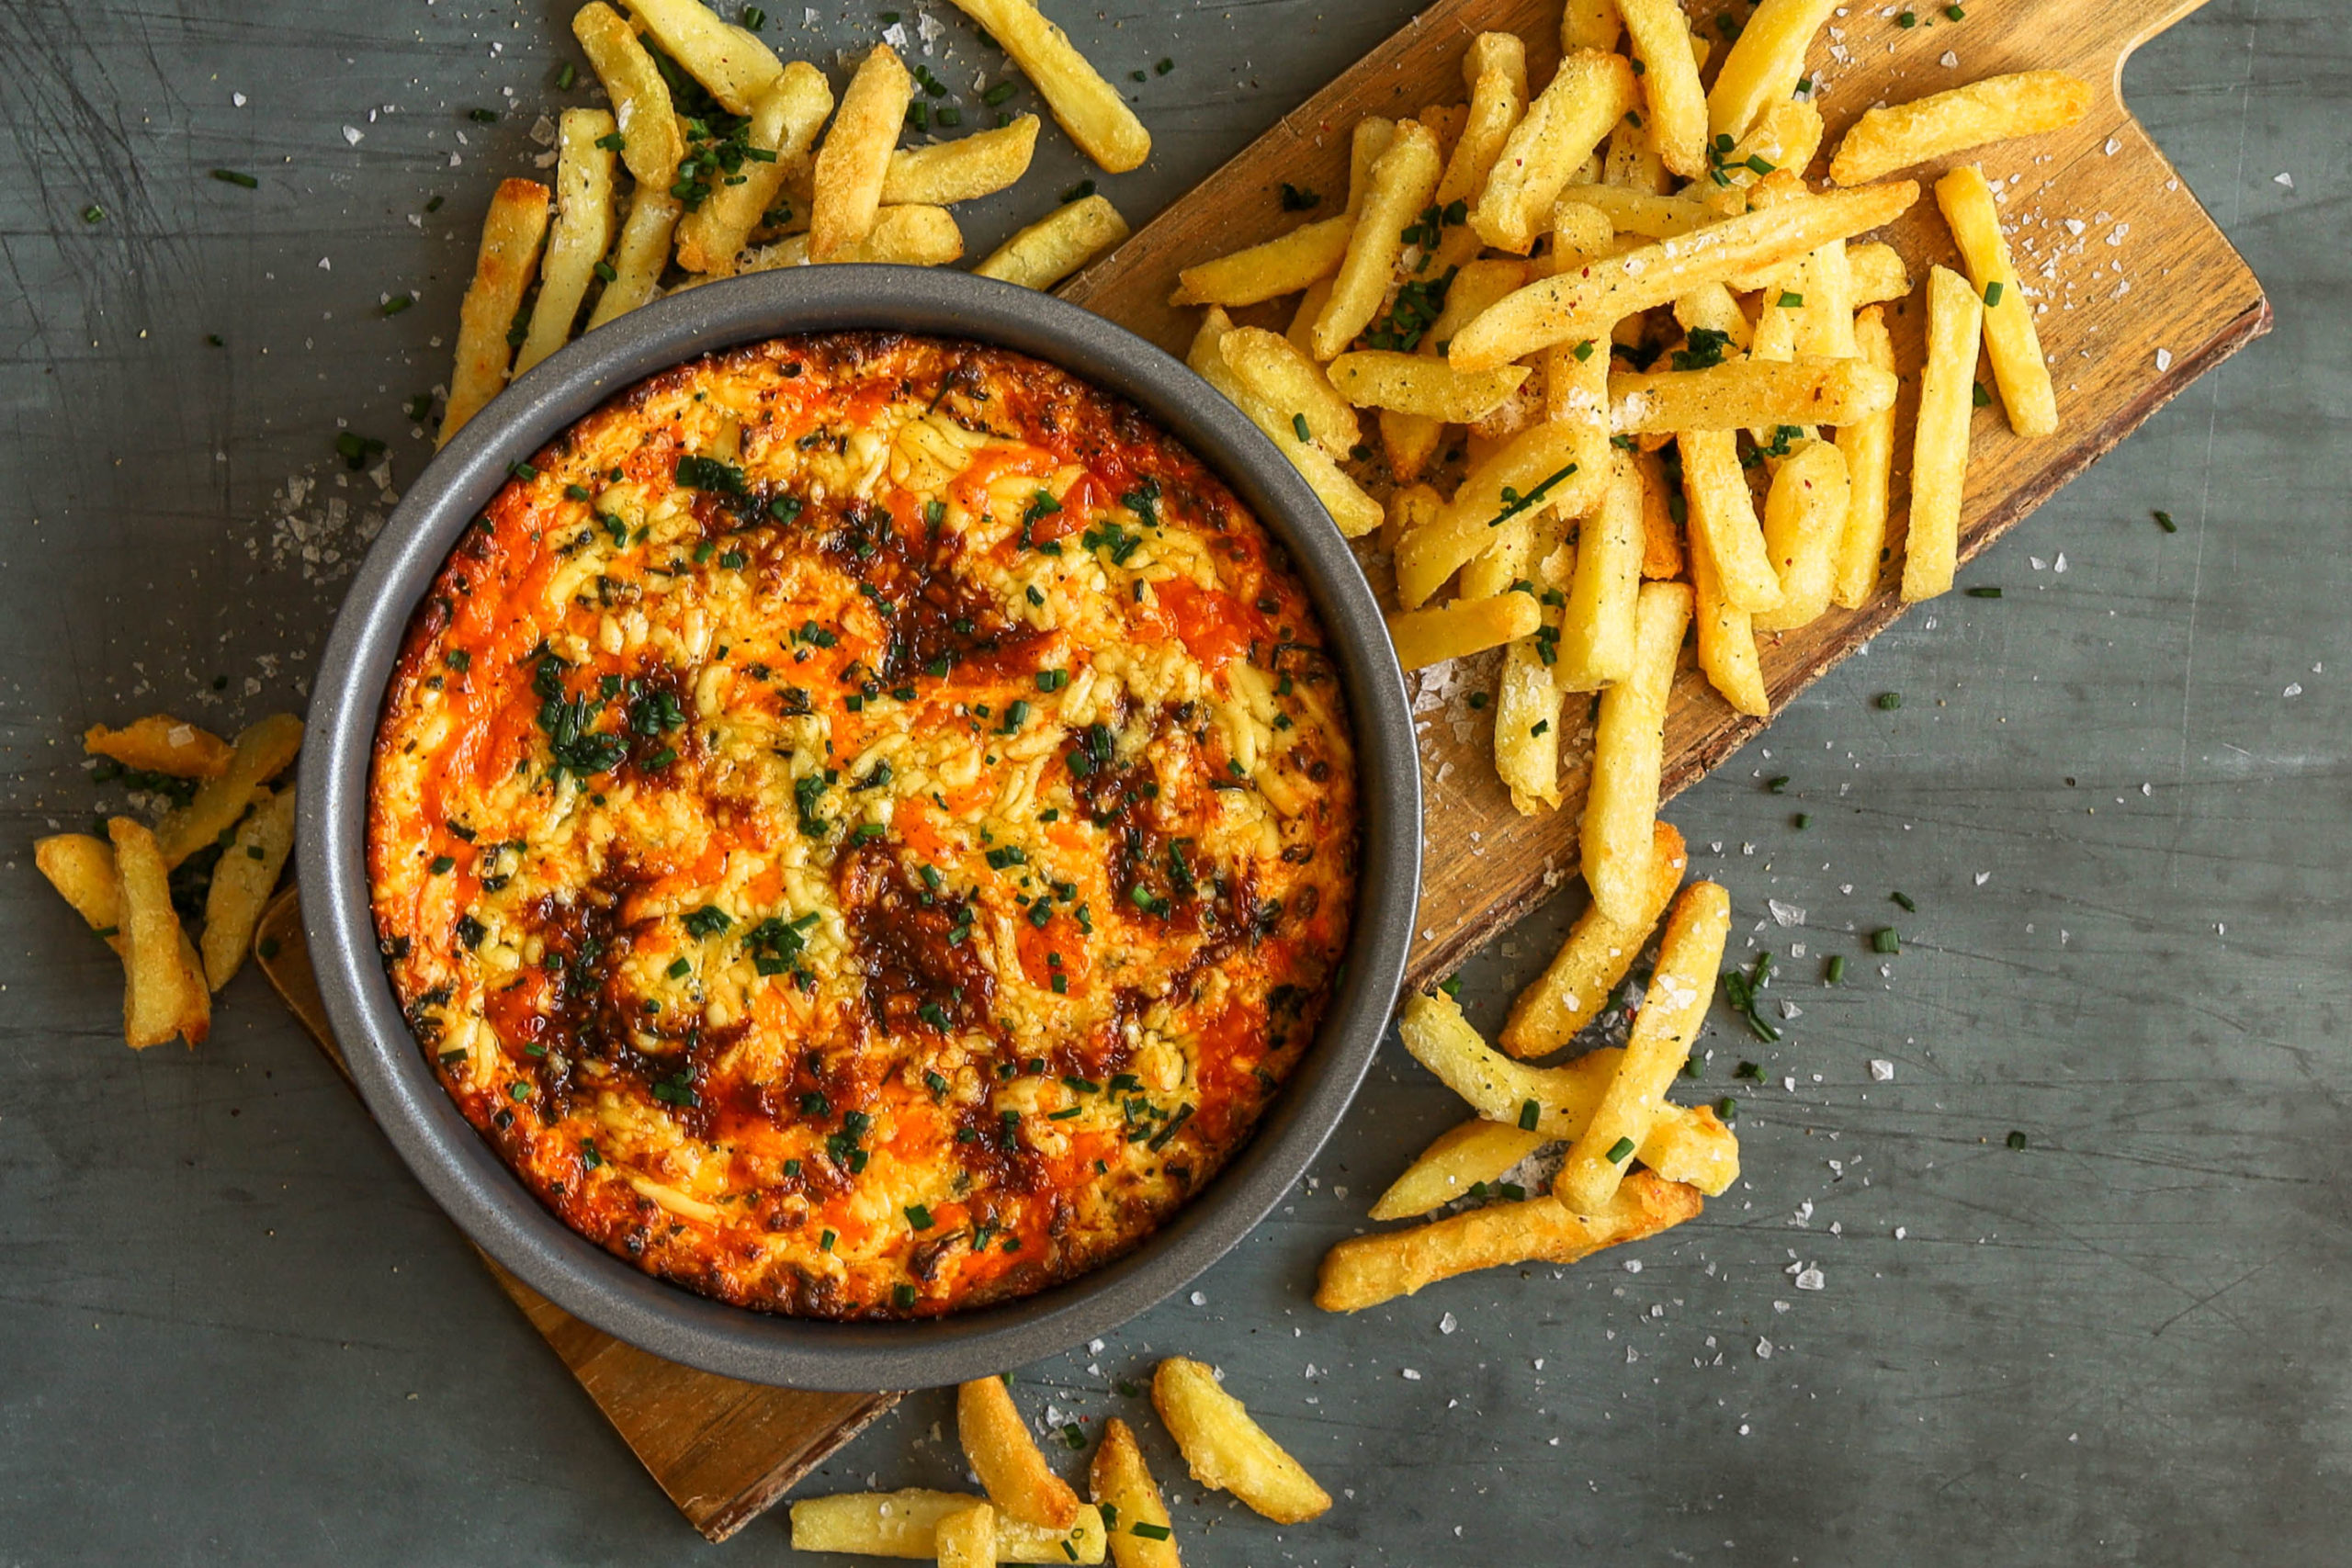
(863, 824)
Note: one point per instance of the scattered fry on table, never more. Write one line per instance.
(1939, 449)
(1227, 1451)
(1958, 120)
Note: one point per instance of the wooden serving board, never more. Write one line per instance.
(2116, 354)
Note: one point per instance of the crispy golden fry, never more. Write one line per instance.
(963, 170)
(1939, 449)
(1677, 105)
(1994, 109)
(1825, 319)
(265, 748)
(2010, 340)
(1119, 1479)
(1724, 514)
(651, 143)
(241, 884)
(906, 1524)
(1409, 507)
(163, 999)
(967, 1538)
(998, 1446)
(1588, 94)
(1590, 301)
(1804, 516)
(504, 267)
(1057, 244)
(1641, 212)
(160, 744)
(854, 158)
(1765, 63)
(1444, 121)
(1461, 1158)
(1367, 142)
(1598, 954)
(1226, 1450)
(1869, 449)
(1354, 513)
(1504, 563)
(1403, 180)
(1553, 464)
(82, 869)
(1087, 107)
(639, 258)
(1630, 162)
(732, 65)
(1408, 441)
(911, 236)
(1775, 340)
(1462, 628)
(1272, 369)
(1673, 1006)
(1422, 384)
(1528, 697)
(1878, 273)
(1746, 393)
(1716, 308)
(1629, 738)
(1476, 288)
(1282, 265)
(1727, 634)
(1301, 331)
(1495, 70)
(1661, 535)
(1589, 24)
(1785, 140)
(784, 123)
(1597, 627)
(581, 235)
(1366, 1270)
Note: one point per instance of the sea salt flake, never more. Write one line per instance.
(1811, 1280)
(1983, 877)
(2164, 360)
(1447, 1324)
(2114, 145)
(1763, 1350)
(1408, 1374)
(1200, 1298)
(1633, 1266)
(2294, 689)
(1882, 1070)
(1789, 1010)
(2060, 564)
(1950, 59)
(351, 134)
(1786, 914)
(2283, 178)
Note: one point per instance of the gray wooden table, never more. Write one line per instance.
(232, 1329)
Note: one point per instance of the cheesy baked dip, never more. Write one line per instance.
(863, 824)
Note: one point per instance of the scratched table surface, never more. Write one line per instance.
(233, 1329)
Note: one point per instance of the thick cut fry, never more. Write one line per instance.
(1673, 1008)
(967, 1538)
(1366, 1270)
(784, 123)
(1461, 1158)
(1495, 70)
(241, 884)
(855, 160)
(1226, 1450)
(1119, 1479)
(1746, 393)
(1676, 117)
(651, 143)
(1528, 697)
(1588, 94)
(1630, 162)
(1869, 449)
(1403, 180)
(1267, 365)
(1716, 308)
(1087, 107)
(581, 235)
(1589, 24)
(733, 65)
(1463, 627)
(1784, 141)
(1629, 739)
(1598, 954)
(1727, 634)
(1057, 244)
(963, 170)
(1422, 384)
(641, 256)
(504, 267)
(160, 744)
(1722, 512)
(1826, 320)
(1553, 464)
(911, 236)
(1597, 627)
(1939, 449)
(82, 869)
(1641, 212)
(1590, 301)
(1284, 266)
(1804, 515)
(1001, 1453)
(1366, 144)
(1765, 63)
(265, 748)
(1994, 109)
(1661, 535)
(906, 1524)
(1352, 512)
(156, 1003)
(1301, 331)
(1878, 273)
(2010, 340)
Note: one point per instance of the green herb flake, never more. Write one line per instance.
(1887, 940)
(237, 177)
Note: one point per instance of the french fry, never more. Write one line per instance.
(906, 1524)
(1641, 212)
(241, 884)
(1684, 1144)
(1765, 63)
(1495, 70)
(911, 236)
(1443, 121)
(1673, 1008)
(733, 65)
(1676, 105)
(1227, 1451)
(1528, 696)
(1726, 633)
(1422, 384)
(1281, 265)
(1461, 1158)
(1553, 464)
(1366, 1270)
(651, 143)
(1367, 142)
(854, 158)
(1629, 737)
(1119, 1479)
(82, 869)
(1597, 954)
(1411, 507)
(1722, 513)
(1785, 139)
(1590, 301)
(581, 235)
(264, 750)
(160, 744)
(640, 255)
(1301, 331)
(1630, 162)
(1463, 627)
(1403, 179)
(1087, 107)
(1869, 449)
(1878, 273)
(1805, 516)
(1597, 627)
(1271, 369)
(1586, 97)
(1746, 393)
(785, 123)
(1661, 535)
(1057, 244)
(1589, 24)
(157, 1002)
(1354, 513)
(503, 266)
(1409, 439)
(997, 1444)
(1939, 449)
(1714, 309)
(1994, 109)
(967, 1538)
(2010, 340)
(963, 170)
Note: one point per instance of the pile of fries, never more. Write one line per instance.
(225, 816)
(1030, 1515)
(738, 162)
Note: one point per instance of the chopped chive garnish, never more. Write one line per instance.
(1776, 784)
(1150, 1532)
(919, 1216)
(1619, 1149)
(2016, 1140)
(1887, 940)
(1727, 1108)
(444, 863)
(1979, 396)
(1993, 294)
(1890, 700)
(1906, 900)
(1528, 1114)
(1791, 300)
(1836, 971)
(1298, 427)
(237, 177)
(2163, 520)
(1801, 820)
(94, 213)
(1988, 593)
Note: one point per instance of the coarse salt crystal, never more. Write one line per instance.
(1983, 877)
(1811, 1280)
(1447, 1324)
(2283, 178)
(351, 135)
(2294, 689)
(1200, 1298)
(1409, 1375)
(1949, 60)
(1633, 1266)
(1882, 1070)
(1786, 914)
(1763, 1350)
(2114, 145)
(2164, 359)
